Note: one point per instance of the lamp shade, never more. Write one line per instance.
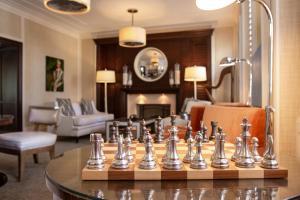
(68, 6)
(132, 37)
(106, 76)
(195, 73)
(213, 4)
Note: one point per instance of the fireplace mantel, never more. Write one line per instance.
(174, 90)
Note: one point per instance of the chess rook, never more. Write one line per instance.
(148, 161)
(198, 161)
(238, 146)
(219, 159)
(120, 161)
(96, 160)
(214, 126)
(159, 138)
(245, 158)
(257, 158)
(172, 160)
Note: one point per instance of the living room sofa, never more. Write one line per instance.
(79, 125)
(229, 118)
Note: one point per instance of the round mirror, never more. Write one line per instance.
(150, 64)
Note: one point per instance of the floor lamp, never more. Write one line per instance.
(194, 74)
(269, 161)
(105, 76)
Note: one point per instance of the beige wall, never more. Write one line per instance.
(10, 25)
(88, 63)
(39, 42)
(223, 44)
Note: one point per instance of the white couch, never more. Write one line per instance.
(79, 125)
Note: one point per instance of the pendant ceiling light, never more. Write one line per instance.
(213, 4)
(68, 6)
(132, 36)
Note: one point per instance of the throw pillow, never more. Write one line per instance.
(86, 107)
(66, 106)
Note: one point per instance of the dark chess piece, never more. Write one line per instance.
(189, 131)
(214, 126)
(114, 132)
(143, 131)
(129, 129)
(159, 138)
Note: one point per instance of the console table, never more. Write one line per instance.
(63, 179)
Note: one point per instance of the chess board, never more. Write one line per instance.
(186, 173)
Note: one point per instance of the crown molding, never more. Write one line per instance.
(39, 20)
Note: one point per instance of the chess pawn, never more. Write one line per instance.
(114, 132)
(127, 143)
(172, 160)
(219, 159)
(214, 126)
(143, 131)
(148, 161)
(205, 137)
(173, 127)
(188, 133)
(238, 146)
(257, 158)
(159, 132)
(198, 161)
(189, 154)
(269, 160)
(96, 160)
(129, 130)
(120, 161)
(245, 158)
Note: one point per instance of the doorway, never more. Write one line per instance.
(10, 85)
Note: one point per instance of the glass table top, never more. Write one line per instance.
(65, 174)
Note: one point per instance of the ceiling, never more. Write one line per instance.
(107, 16)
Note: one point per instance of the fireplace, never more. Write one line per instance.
(146, 111)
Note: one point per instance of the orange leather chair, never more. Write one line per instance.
(229, 118)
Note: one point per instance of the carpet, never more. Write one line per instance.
(33, 185)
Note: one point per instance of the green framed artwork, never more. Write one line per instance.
(54, 74)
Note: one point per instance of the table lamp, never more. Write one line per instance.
(105, 76)
(194, 74)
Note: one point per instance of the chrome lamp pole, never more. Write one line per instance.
(269, 159)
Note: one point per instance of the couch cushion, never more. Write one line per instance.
(91, 119)
(230, 118)
(26, 140)
(86, 107)
(66, 106)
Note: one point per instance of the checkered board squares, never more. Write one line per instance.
(159, 173)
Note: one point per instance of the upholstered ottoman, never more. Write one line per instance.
(27, 143)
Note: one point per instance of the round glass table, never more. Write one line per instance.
(63, 179)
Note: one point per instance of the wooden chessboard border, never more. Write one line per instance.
(186, 173)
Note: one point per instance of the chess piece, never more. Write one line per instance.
(159, 132)
(205, 137)
(166, 152)
(189, 131)
(198, 161)
(269, 160)
(127, 143)
(124, 195)
(143, 131)
(172, 160)
(238, 146)
(148, 194)
(219, 159)
(173, 126)
(129, 129)
(257, 158)
(114, 132)
(148, 161)
(96, 160)
(214, 126)
(189, 154)
(245, 158)
(120, 161)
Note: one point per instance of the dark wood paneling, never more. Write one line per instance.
(186, 48)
